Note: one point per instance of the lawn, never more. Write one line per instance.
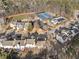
(20, 17)
(75, 40)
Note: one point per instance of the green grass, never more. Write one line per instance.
(3, 55)
(75, 41)
(20, 17)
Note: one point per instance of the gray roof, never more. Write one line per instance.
(7, 43)
(22, 42)
(30, 41)
(2, 20)
(10, 43)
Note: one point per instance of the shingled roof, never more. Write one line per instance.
(30, 41)
(11, 43)
(22, 42)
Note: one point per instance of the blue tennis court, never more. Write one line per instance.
(45, 16)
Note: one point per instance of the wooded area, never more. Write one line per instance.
(55, 6)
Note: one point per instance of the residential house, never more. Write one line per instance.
(76, 14)
(6, 44)
(3, 38)
(2, 20)
(30, 41)
(26, 25)
(18, 44)
(10, 34)
(2, 13)
(41, 37)
(62, 38)
(17, 25)
(67, 34)
(41, 44)
(57, 20)
(13, 25)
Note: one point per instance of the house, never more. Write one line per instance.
(40, 44)
(2, 31)
(21, 44)
(3, 38)
(67, 34)
(62, 38)
(2, 20)
(18, 36)
(30, 41)
(18, 44)
(76, 14)
(74, 32)
(17, 25)
(26, 25)
(41, 37)
(2, 13)
(13, 24)
(57, 20)
(10, 34)
(6, 44)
